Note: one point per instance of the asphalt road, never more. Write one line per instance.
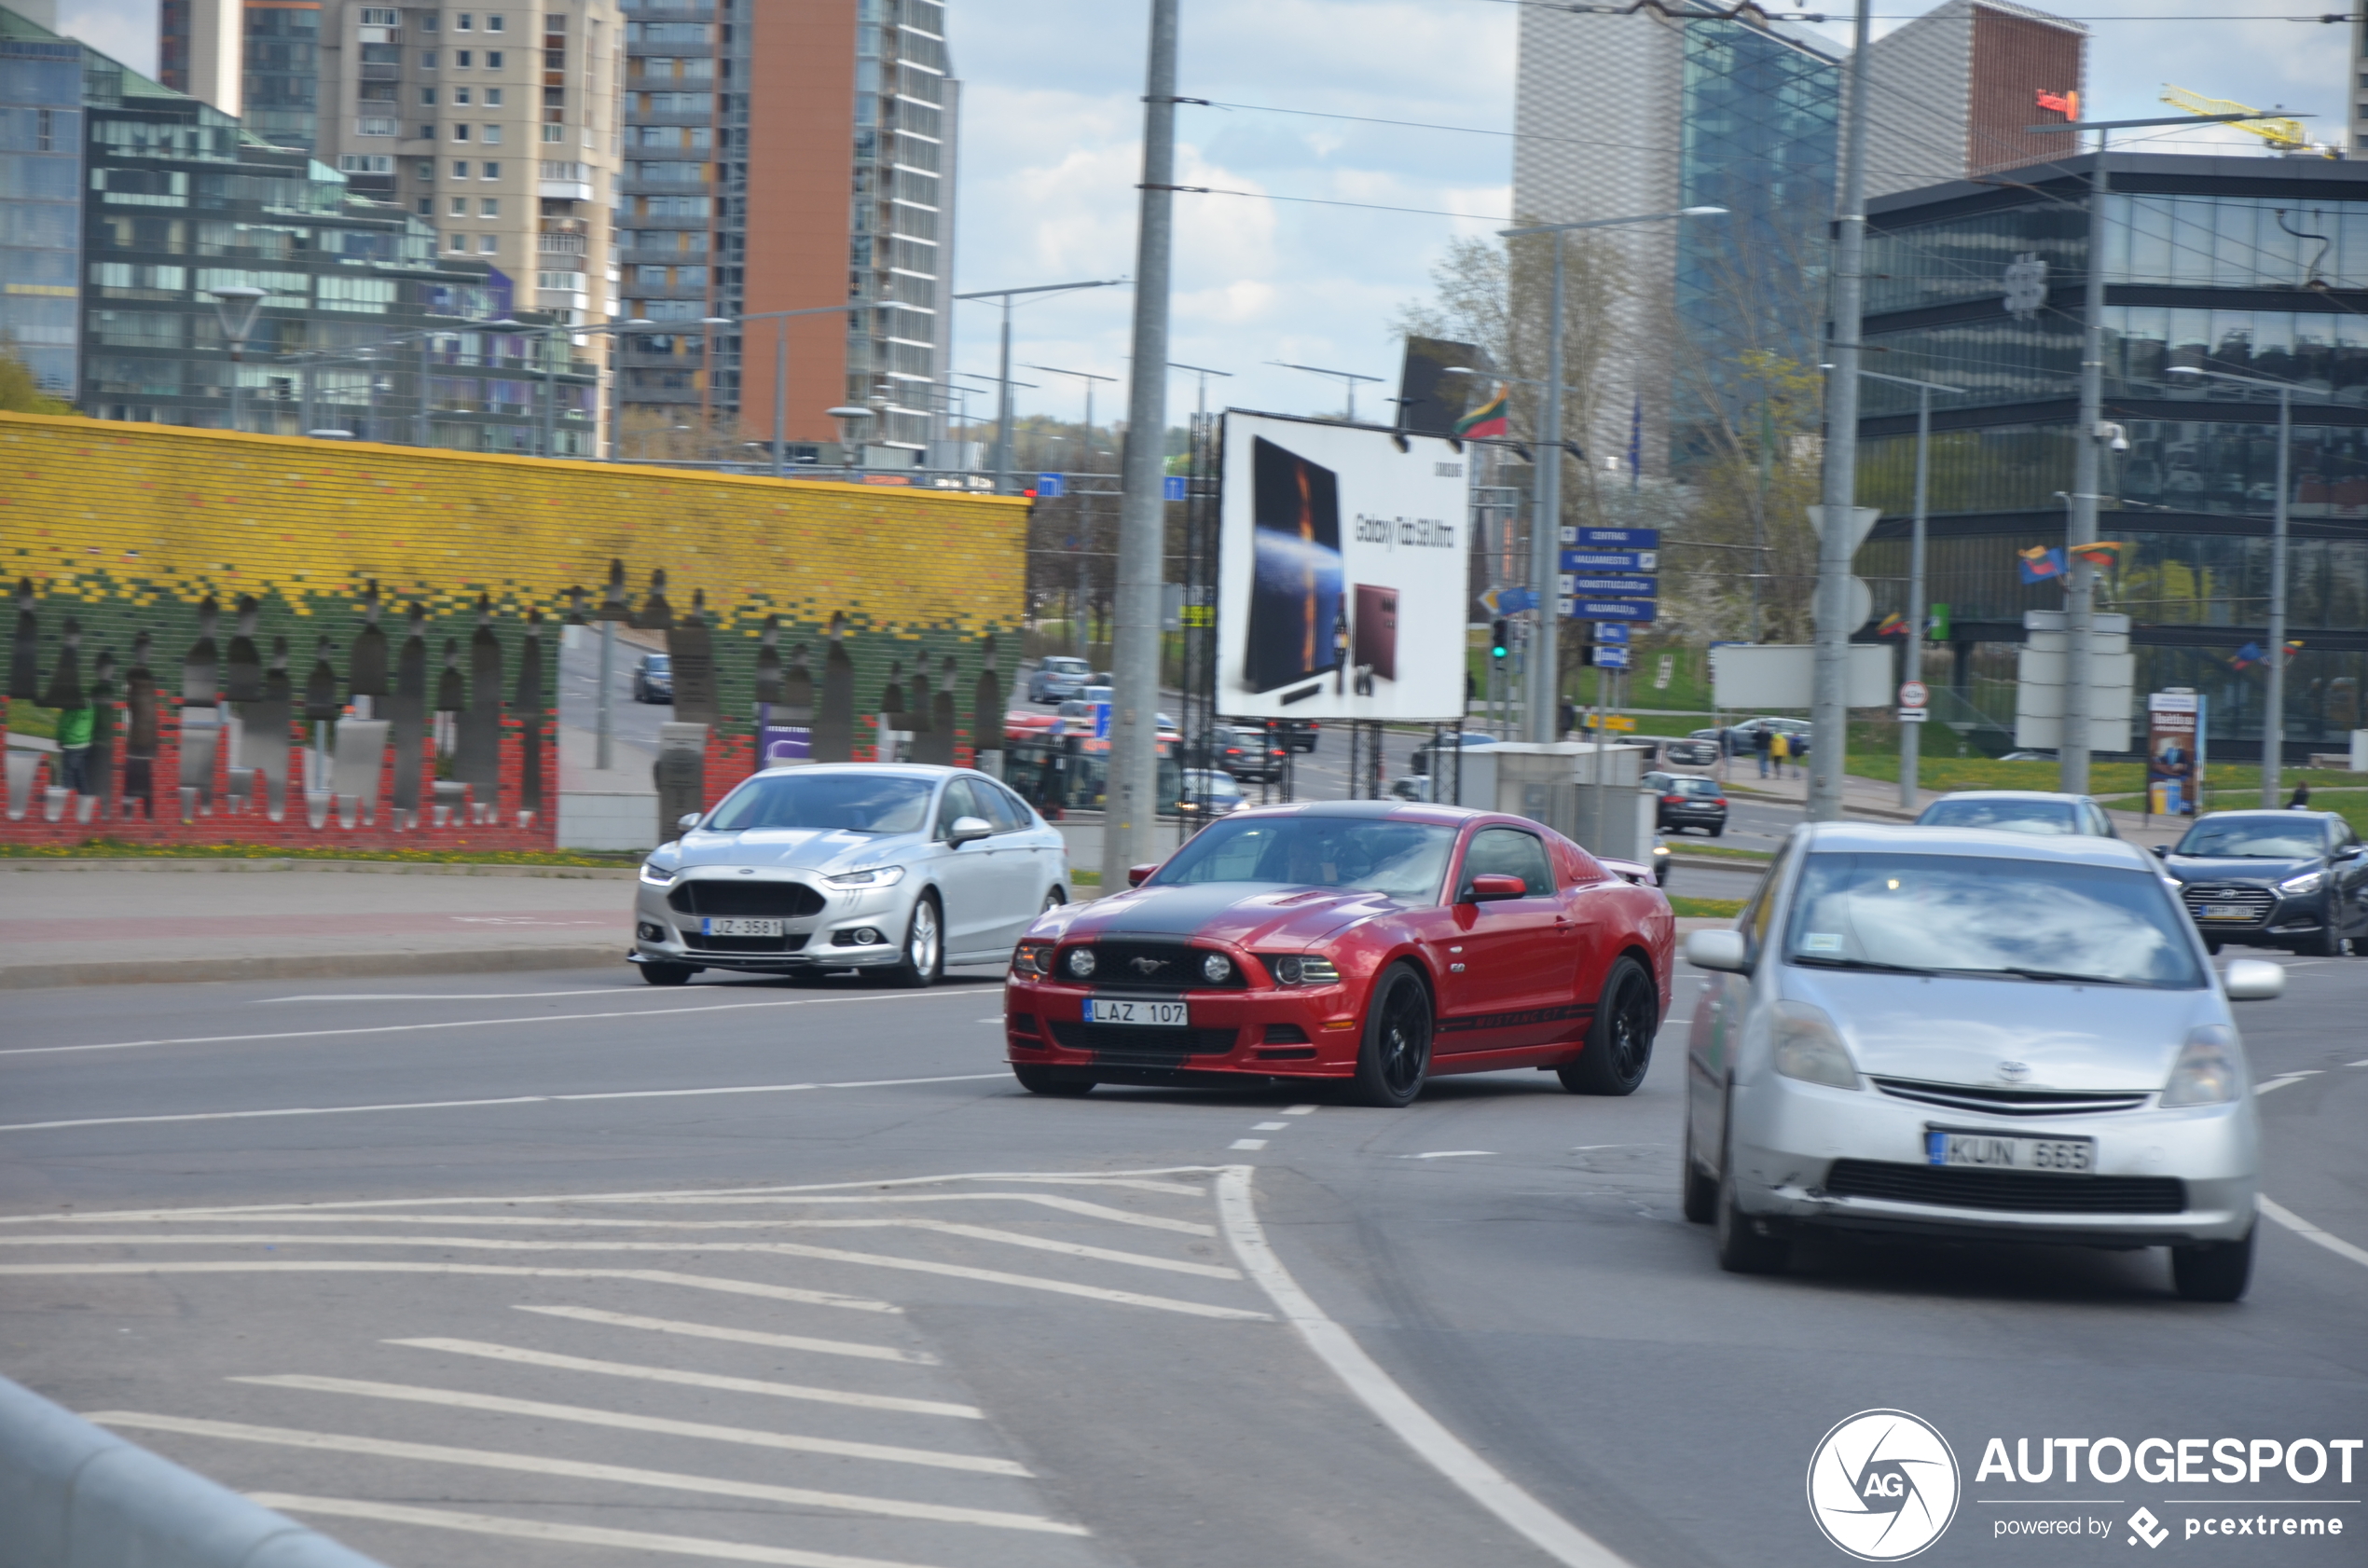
(491, 1271)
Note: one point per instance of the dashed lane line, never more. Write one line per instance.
(475, 1104)
(345, 1266)
(736, 1336)
(1421, 1431)
(564, 1535)
(631, 1420)
(695, 1380)
(2310, 1232)
(2282, 1079)
(1298, 1111)
(1248, 1142)
(491, 1459)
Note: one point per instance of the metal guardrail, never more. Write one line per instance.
(73, 1495)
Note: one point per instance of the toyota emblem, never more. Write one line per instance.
(2014, 1072)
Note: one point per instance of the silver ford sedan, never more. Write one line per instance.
(892, 871)
(1967, 1034)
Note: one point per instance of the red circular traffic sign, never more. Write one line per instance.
(1913, 694)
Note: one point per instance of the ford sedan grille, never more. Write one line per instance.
(715, 895)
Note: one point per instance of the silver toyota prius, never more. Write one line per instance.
(1973, 1035)
(892, 871)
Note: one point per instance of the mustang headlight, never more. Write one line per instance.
(2208, 1071)
(656, 875)
(2308, 882)
(1032, 958)
(876, 877)
(1809, 1048)
(1296, 970)
(1081, 962)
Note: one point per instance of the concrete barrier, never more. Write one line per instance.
(75, 1496)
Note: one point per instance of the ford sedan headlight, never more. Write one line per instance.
(2207, 1073)
(656, 875)
(875, 876)
(1809, 1048)
(2308, 882)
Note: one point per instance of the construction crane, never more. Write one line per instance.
(2281, 131)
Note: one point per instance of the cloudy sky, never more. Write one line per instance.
(1050, 159)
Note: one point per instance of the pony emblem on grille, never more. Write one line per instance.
(1148, 966)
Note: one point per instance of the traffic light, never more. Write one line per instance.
(1499, 639)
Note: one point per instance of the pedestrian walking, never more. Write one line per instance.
(1780, 747)
(2300, 802)
(1760, 744)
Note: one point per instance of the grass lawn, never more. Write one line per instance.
(1717, 852)
(1712, 908)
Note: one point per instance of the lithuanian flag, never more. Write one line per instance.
(1487, 419)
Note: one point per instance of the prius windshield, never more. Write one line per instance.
(1403, 860)
(862, 802)
(1966, 915)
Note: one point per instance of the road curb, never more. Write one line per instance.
(1708, 862)
(389, 868)
(308, 966)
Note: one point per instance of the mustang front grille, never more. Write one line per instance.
(1148, 966)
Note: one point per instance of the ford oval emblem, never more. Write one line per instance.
(2014, 1072)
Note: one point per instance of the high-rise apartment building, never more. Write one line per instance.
(257, 60)
(782, 158)
(1953, 94)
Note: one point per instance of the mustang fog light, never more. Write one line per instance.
(1080, 961)
(1217, 967)
(2206, 1073)
(1807, 1047)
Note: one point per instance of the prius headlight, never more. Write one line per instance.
(1807, 1047)
(2308, 882)
(874, 877)
(2207, 1072)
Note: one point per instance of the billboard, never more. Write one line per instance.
(1340, 572)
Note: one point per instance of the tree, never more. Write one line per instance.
(20, 394)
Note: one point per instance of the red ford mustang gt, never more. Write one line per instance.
(1372, 940)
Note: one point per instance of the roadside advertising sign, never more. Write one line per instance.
(1342, 573)
(2171, 769)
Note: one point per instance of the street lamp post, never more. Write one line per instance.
(1201, 408)
(1088, 378)
(1348, 378)
(2273, 721)
(1003, 370)
(1912, 662)
(237, 306)
(1546, 510)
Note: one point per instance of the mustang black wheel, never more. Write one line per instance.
(1397, 1040)
(667, 974)
(1619, 1044)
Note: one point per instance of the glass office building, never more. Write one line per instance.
(2251, 267)
(41, 203)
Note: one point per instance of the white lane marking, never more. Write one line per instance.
(1248, 1142)
(646, 1276)
(696, 1379)
(996, 1019)
(491, 1459)
(737, 1336)
(1421, 1431)
(1135, 1179)
(2310, 1232)
(1448, 1154)
(620, 991)
(566, 1534)
(1270, 1126)
(468, 1023)
(2284, 1079)
(337, 1217)
(2362, 1063)
(634, 1421)
(472, 1104)
(1298, 1111)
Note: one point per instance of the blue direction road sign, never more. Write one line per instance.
(1610, 657)
(1633, 538)
(1612, 588)
(1611, 561)
(1172, 487)
(1611, 609)
(1512, 602)
(1049, 484)
(1101, 720)
(1611, 632)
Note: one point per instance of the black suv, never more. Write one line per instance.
(2296, 879)
(1688, 800)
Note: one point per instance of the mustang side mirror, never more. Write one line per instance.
(1137, 876)
(964, 828)
(1726, 952)
(688, 820)
(2253, 980)
(1489, 885)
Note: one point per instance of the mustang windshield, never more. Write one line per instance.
(1403, 860)
(862, 803)
(2256, 838)
(1984, 914)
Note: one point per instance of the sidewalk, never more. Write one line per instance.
(1877, 799)
(115, 923)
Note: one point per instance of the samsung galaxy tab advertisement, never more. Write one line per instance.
(1341, 582)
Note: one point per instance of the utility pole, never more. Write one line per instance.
(1130, 819)
(1912, 662)
(1829, 713)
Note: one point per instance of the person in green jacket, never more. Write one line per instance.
(74, 727)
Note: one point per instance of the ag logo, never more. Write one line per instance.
(1882, 1485)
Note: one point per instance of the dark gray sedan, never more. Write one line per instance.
(2296, 879)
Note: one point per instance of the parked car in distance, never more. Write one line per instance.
(1299, 734)
(1687, 800)
(1691, 752)
(1736, 738)
(1057, 679)
(653, 679)
(1472, 741)
(2296, 879)
(1208, 793)
(1246, 753)
(1963, 1034)
(2018, 811)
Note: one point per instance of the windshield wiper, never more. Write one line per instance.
(2024, 972)
(1821, 961)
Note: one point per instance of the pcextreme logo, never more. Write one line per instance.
(1882, 1485)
